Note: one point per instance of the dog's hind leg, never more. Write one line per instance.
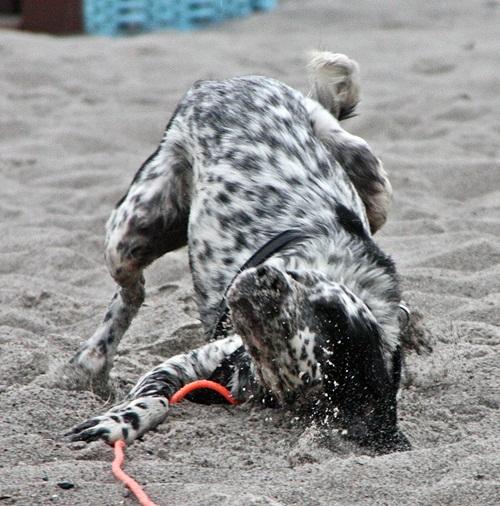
(150, 220)
(335, 79)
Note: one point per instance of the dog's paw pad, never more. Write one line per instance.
(108, 428)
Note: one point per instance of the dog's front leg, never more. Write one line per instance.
(147, 404)
(94, 357)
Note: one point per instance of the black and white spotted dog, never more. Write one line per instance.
(277, 203)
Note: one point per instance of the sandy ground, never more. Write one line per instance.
(79, 115)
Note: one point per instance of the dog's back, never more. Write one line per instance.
(257, 169)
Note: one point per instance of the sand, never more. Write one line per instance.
(78, 117)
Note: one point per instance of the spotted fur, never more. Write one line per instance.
(242, 160)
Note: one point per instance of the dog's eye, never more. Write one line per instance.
(294, 275)
(300, 277)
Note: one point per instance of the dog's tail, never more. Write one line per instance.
(335, 82)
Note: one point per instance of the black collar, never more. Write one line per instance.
(275, 244)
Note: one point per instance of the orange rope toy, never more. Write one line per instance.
(119, 446)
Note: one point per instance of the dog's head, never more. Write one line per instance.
(292, 321)
(302, 329)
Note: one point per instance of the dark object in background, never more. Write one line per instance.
(10, 6)
(65, 485)
(124, 17)
(52, 16)
(10, 14)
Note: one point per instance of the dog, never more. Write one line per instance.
(277, 204)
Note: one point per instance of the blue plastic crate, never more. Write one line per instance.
(111, 17)
(115, 17)
(197, 13)
(161, 13)
(235, 8)
(264, 5)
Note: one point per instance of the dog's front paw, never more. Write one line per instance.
(108, 428)
(126, 422)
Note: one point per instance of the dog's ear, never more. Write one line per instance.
(358, 383)
(364, 347)
(355, 341)
(309, 278)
